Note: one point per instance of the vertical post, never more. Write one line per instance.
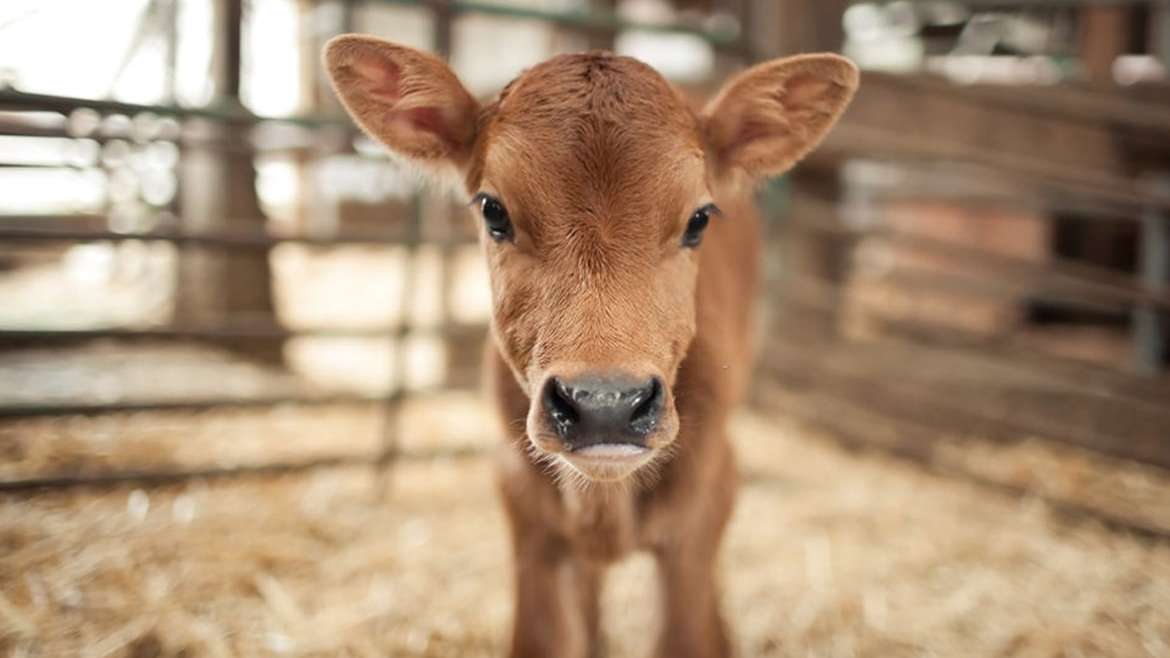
(318, 21)
(171, 25)
(391, 415)
(601, 39)
(1151, 327)
(1103, 36)
(746, 47)
(231, 27)
(218, 192)
(730, 60)
(444, 17)
(1160, 33)
(788, 27)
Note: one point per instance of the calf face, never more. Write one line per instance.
(594, 183)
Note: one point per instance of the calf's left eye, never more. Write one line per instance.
(697, 224)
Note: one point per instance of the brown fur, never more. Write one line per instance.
(600, 163)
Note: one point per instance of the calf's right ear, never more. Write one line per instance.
(404, 98)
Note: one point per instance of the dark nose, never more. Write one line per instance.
(594, 410)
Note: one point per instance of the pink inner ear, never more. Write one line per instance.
(803, 90)
(749, 132)
(429, 119)
(380, 77)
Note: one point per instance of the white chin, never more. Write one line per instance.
(612, 451)
(607, 462)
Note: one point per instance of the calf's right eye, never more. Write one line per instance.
(495, 217)
(697, 224)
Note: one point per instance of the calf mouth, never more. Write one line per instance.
(607, 462)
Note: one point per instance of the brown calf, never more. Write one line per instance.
(619, 342)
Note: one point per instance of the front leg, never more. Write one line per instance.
(550, 621)
(693, 517)
(557, 611)
(588, 590)
(692, 624)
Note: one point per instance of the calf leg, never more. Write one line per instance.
(549, 620)
(692, 624)
(556, 593)
(588, 590)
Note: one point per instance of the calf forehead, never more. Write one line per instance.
(592, 136)
(605, 87)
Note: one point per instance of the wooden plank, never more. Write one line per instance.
(805, 298)
(958, 394)
(1091, 285)
(1040, 139)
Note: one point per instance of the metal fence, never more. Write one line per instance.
(250, 240)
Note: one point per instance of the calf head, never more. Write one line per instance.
(593, 181)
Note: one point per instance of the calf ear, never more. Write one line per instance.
(406, 99)
(770, 116)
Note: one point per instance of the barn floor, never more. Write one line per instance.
(831, 553)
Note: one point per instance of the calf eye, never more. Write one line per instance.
(697, 223)
(495, 217)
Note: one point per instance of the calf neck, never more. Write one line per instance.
(621, 243)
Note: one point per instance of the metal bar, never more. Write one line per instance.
(1044, 4)
(157, 478)
(222, 240)
(233, 36)
(17, 100)
(225, 333)
(33, 410)
(390, 431)
(265, 145)
(578, 20)
(1150, 322)
(442, 31)
(37, 165)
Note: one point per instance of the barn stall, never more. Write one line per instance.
(239, 349)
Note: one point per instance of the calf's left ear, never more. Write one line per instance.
(407, 99)
(770, 116)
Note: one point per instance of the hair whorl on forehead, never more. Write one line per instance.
(597, 84)
(597, 114)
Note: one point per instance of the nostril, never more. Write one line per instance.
(558, 402)
(648, 408)
(602, 409)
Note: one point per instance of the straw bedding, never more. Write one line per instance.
(830, 554)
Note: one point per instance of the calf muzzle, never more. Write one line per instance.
(597, 410)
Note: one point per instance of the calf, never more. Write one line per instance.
(621, 242)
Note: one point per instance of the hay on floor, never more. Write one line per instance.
(830, 554)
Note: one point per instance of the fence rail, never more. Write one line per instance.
(218, 239)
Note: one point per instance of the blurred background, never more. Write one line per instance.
(239, 347)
